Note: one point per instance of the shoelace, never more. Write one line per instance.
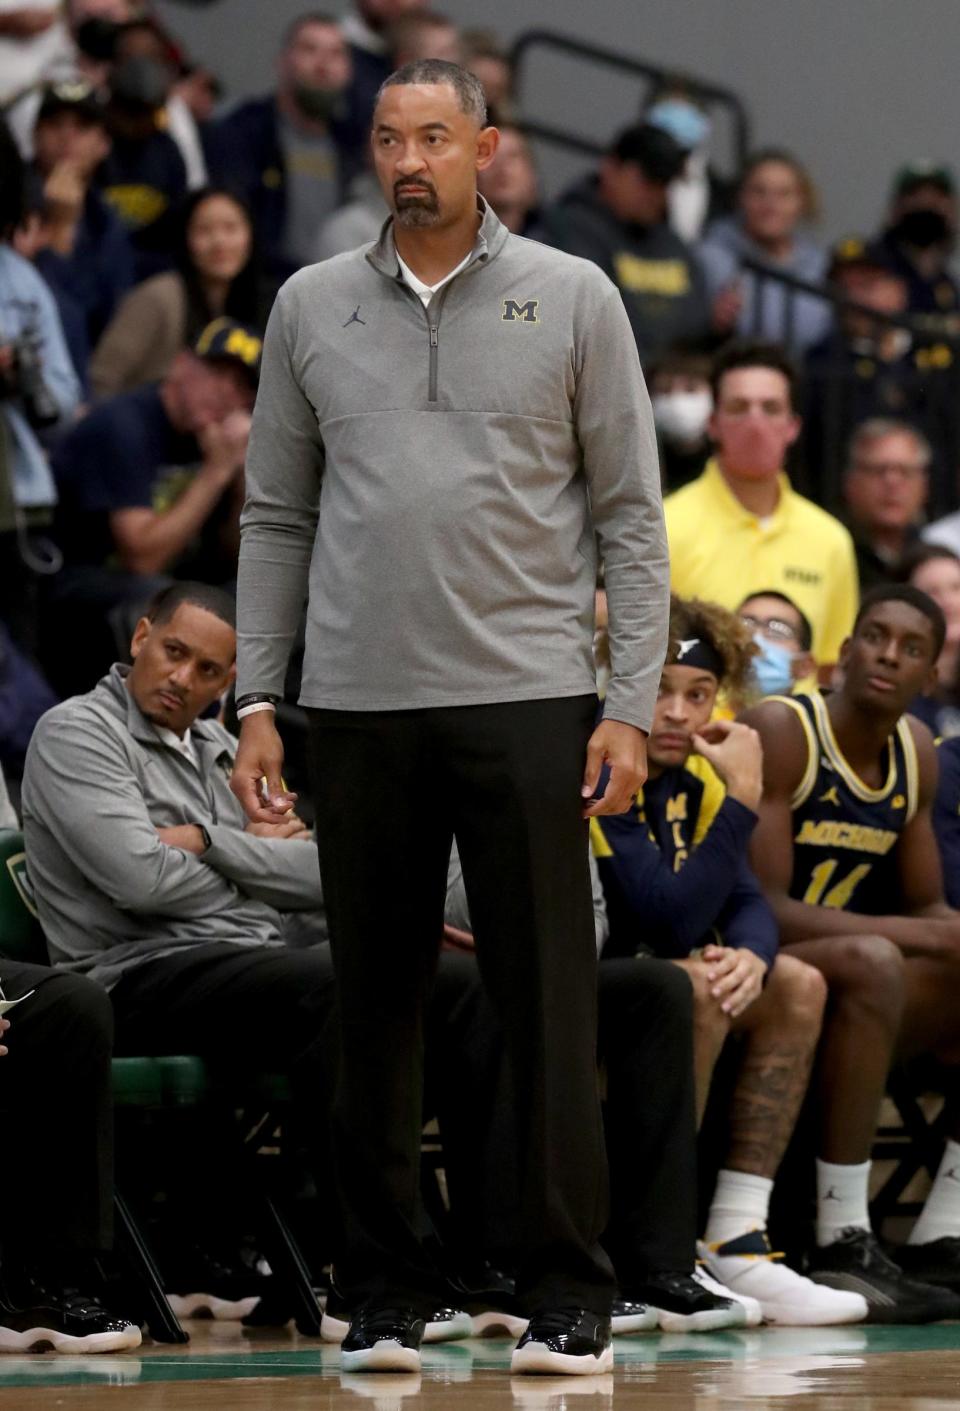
(680, 1283)
(556, 1320)
(385, 1319)
(869, 1250)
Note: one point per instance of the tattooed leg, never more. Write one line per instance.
(780, 1031)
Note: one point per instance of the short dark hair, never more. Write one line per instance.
(913, 597)
(658, 155)
(920, 554)
(742, 354)
(468, 88)
(806, 629)
(217, 601)
(300, 22)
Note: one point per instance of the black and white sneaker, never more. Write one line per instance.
(630, 1316)
(490, 1298)
(565, 1342)
(681, 1304)
(937, 1262)
(856, 1262)
(66, 1322)
(443, 1325)
(383, 1340)
(203, 1285)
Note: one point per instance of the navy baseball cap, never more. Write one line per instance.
(226, 339)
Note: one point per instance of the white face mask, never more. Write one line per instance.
(682, 416)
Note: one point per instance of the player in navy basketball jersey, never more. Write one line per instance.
(846, 852)
(679, 888)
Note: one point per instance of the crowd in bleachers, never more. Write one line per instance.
(147, 221)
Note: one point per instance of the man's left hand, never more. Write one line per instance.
(735, 977)
(292, 827)
(624, 748)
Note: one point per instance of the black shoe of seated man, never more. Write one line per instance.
(936, 1262)
(66, 1321)
(682, 1305)
(564, 1342)
(382, 1339)
(856, 1262)
(489, 1297)
(225, 1287)
(630, 1315)
(443, 1325)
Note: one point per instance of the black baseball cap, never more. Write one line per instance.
(72, 97)
(856, 252)
(225, 339)
(923, 173)
(659, 155)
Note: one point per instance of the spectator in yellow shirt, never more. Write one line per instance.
(740, 527)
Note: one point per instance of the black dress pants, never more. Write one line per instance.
(391, 791)
(56, 1107)
(646, 1043)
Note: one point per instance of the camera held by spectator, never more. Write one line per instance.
(21, 375)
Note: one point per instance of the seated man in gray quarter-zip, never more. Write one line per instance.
(451, 428)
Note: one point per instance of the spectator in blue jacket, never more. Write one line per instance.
(679, 886)
(290, 154)
(86, 251)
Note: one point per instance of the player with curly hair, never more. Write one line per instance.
(679, 887)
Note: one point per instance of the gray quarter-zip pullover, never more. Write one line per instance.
(98, 783)
(436, 480)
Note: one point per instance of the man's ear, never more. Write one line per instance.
(844, 656)
(488, 140)
(140, 634)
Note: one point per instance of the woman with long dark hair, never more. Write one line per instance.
(217, 274)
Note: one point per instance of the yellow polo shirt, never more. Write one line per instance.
(722, 552)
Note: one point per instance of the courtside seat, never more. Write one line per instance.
(166, 1083)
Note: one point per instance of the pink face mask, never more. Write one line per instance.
(754, 445)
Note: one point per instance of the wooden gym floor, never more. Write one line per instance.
(226, 1366)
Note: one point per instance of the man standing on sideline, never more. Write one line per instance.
(449, 422)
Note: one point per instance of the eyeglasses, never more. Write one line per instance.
(774, 627)
(876, 470)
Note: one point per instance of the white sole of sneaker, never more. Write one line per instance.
(789, 1316)
(460, 1326)
(387, 1355)
(206, 1305)
(495, 1324)
(643, 1322)
(539, 1360)
(48, 1339)
(710, 1320)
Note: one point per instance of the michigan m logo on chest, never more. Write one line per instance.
(527, 312)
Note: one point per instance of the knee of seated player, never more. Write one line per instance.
(867, 971)
(795, 994)
(708, 1017)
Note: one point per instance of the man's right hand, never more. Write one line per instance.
(25, 23)
(259, 757)
(224, 447)
(736, 754)
(4, 1026)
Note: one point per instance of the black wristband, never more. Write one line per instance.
(204, 835)
(255, 699)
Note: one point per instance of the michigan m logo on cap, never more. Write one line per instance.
(526, 312)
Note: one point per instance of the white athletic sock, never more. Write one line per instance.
(741, 1203)
(940, 1217)
(842, 1193)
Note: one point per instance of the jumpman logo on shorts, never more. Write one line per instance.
(355, 318)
